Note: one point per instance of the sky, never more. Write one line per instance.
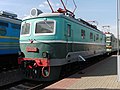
(101, 11)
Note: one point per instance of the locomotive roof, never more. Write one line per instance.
(109, 34)
(44, 15)
(80, 21)
(15, 20)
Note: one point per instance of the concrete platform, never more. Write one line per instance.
(101, 76)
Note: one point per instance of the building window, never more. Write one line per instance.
(91, 35)
(83, 34)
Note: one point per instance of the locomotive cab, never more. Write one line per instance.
(38, 46)
(111, 43)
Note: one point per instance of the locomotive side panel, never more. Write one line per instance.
(85, 41)
(9, 41)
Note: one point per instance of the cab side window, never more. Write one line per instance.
(83, 34)
(3, 28)
(68, 30)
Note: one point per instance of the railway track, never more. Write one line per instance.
(26, 85)
(36, 85)
(8, 68)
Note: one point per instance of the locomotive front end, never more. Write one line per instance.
(111, 43)
(36, 52)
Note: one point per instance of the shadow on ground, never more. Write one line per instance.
(106, 67)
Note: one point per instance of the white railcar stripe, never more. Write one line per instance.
(61, 41)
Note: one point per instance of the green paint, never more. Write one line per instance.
(60, 50)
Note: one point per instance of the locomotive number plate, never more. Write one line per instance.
(31, 49)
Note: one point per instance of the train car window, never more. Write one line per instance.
(44, 27)
(68, 30)
(97, 36)
(25, 28)
(83, 34)
(111, 39)
(15, 26)
(91, 35)
(4, 24)
(94, 37)
(108, 43)
(3, 31)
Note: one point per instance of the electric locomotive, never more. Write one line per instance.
(9, 39)
(111, 43)
(52, 43)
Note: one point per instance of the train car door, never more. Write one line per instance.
(69, 37)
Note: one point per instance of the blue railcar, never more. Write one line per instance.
(9, 38)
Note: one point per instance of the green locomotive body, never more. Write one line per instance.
(50, 41)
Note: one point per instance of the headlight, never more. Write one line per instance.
(45, 55)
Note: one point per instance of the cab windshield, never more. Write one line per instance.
(44, 27)
(108, 39)
(108, 43)
(25, 29)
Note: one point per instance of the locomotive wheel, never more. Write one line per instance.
(46, 71)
